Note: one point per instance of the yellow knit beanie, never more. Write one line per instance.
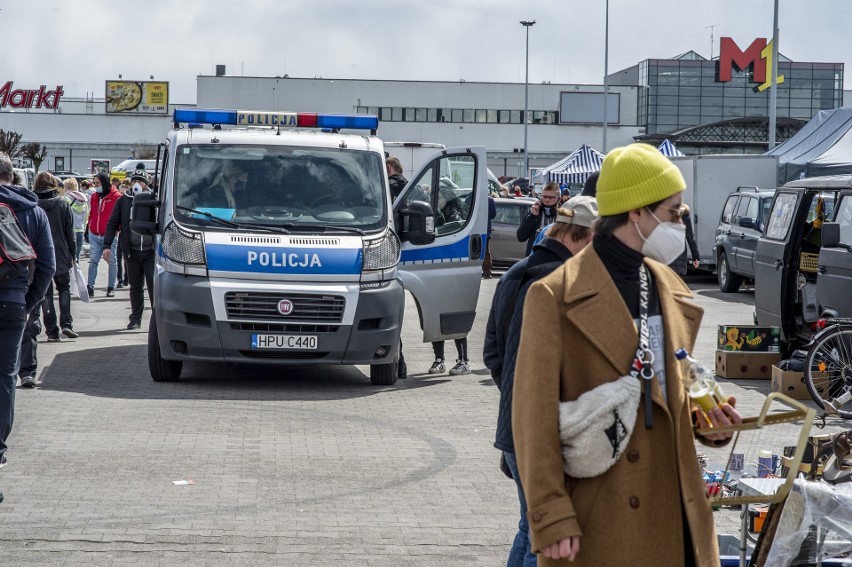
(635, 176)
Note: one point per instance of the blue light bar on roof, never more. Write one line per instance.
(276, 119)
(200, 116)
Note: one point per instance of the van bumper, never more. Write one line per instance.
(188, 329)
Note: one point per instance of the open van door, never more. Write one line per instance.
(774, 273)
(444, 275)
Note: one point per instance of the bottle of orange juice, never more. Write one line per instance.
(701, 384)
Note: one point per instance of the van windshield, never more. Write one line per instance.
(280, 186)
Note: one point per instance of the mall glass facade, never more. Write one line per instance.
(680, 94)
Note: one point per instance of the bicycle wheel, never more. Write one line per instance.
(828, 370)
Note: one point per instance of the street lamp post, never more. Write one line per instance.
(773, 80)
(527, 25)
(606, 72)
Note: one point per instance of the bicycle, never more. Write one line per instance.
(828, 368)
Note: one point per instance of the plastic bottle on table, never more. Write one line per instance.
(701, 384)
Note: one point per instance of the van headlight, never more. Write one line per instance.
(182, 246)
(381, 253)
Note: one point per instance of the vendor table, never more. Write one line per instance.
(754, 487)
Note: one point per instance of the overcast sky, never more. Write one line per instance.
(81, 43)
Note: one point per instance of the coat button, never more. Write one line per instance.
(634, 502)
(633, 456)
(537, 517)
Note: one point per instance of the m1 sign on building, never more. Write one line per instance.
(757, 59)
(35, 98)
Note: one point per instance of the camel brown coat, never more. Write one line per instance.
(580, 335)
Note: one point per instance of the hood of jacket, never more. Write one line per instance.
(17, 197)
(48, 200)
(77, 196)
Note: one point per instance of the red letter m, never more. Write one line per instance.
(730, 54)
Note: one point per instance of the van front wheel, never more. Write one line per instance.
(161, 370)
(384, 374)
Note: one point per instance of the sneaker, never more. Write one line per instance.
(133, 325)
(119, 285)
(91, 291)
(52, 339)
(1, 497)
(461, 367)
(70, 333)
(3, 461)
(437, 367)
(28, 381)
(110, 292)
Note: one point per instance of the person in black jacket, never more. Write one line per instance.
(395, 179)
(571, 232)
(138, 248)
(680, 265)
(65, 248)
(20, 296)
(541, 214)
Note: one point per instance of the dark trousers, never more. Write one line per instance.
(62, 283)
(461, 347)
(140, 270)
(29, 344)
(121, 261)
(487, 263)
(13, 318)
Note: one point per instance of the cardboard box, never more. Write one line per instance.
(756, 365)
(791, 383)
(748, 338)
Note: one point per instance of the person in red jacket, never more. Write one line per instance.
(103, 201)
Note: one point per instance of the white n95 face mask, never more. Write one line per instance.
(666, 242)
(136, 188)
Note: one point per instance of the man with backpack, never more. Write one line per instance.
(20, 294)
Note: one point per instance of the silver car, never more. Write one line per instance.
(505, 248)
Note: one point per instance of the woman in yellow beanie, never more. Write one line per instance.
(603, 302)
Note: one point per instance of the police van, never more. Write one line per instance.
(277, 243)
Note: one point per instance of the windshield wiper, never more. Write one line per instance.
(231, 224)
(208, 216)
(324, 228)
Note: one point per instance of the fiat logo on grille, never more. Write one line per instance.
(285, 306)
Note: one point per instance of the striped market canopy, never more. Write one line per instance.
(668, 149)
(575, 168)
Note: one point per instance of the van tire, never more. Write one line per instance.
(161, 370)
(729, 282)
(384, 374)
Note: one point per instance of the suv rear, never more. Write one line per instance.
(740, 225)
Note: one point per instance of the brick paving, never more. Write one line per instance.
(291, 466)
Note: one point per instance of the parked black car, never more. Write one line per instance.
(741, 224)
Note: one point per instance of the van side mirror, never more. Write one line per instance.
(143, 214)
(746, 222)
(830, 233)
(418, 223)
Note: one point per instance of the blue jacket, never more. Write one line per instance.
(33, 221)
(503, 330)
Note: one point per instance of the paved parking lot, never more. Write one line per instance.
(295, 466)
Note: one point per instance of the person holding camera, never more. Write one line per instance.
(541, 214)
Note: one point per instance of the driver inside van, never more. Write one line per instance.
(226, 189)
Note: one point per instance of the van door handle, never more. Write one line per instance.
(475, 246)
(778, 264)
(821, 269)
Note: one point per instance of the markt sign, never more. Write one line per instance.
(35, 98)
(757, 59)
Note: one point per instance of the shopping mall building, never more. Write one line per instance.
(703, 106)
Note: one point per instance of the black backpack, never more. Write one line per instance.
(16, 252)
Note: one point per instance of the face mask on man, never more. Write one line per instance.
(137, 188)
(666, 242)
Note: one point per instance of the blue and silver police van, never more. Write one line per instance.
(277, 243)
